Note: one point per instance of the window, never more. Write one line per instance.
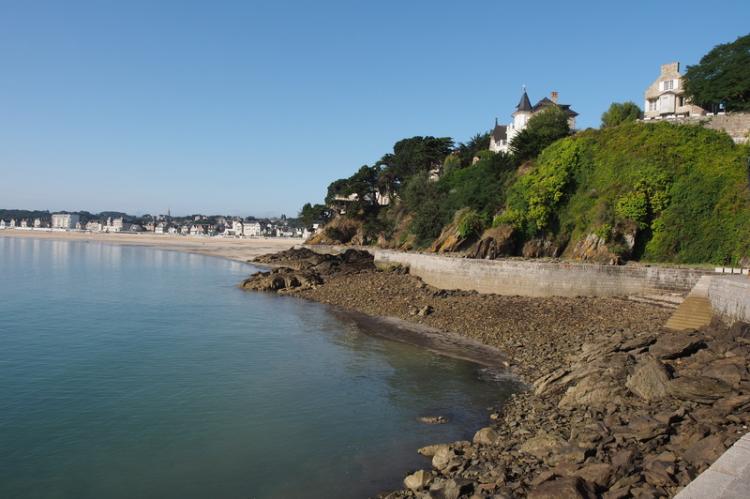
(652, 105)
(668, 84)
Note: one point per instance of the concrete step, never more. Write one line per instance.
(693, 313)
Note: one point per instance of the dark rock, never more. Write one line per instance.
(563, 488)
(425, 311)
(729, 370)
(597, 473)
(432, 419)
(705, 451)
(699, 389)
(676, 345)
(539, 248)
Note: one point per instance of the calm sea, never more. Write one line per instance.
(135, 372)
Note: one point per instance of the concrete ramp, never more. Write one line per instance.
(727, 478)
(695, 311)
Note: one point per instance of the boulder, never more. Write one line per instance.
(642, 428)
(650, 380)
(593, 391)
(699, 389)
(542, 444)
(596, 473)
(432, 419)
(676, 345)
(729, 370)
(563, 488)
(705, 451)
(431, 450)
(450, 489)
(418, 480)
(485, 436)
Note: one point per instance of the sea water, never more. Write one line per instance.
(136, 372)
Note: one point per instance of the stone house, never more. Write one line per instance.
(665, 97)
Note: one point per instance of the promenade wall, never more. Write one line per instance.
(538, 278)
(730, 297)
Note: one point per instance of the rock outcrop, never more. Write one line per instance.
(301, 268)
(496, 242)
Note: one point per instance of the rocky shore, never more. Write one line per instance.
(618, 406)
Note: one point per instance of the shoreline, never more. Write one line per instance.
(431, 339)
(240, 250)
(619, 406)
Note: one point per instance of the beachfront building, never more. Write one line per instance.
(161, 228)
(12, 224)
(94, 226)
(234, 229)
(2, 224)
(665, 97)
(114, 225)
(197, 230)
(65, 221)
(37, 223)
(502, 135)
(252, 229)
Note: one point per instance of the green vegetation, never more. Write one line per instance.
(684, 188)
(621, 112)
(722, 76)
(542, 130)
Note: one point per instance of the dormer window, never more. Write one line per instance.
(668, 84)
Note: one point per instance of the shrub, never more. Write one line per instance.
(470, 224)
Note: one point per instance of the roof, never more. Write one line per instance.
(500, 133)
(524, 104)
(546, 102)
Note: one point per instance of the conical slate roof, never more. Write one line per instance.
(524, 104)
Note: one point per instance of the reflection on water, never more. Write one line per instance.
(135, 372)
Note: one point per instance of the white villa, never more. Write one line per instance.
(2, 224)
(65, 220)
(252, 229)
(665, 98)
(501, 135)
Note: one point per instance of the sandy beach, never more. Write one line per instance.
(234, 249)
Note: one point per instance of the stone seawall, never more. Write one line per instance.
(535, 278)
(730, 297)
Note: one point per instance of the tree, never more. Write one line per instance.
(468, 150)
(310, 214)
(414, 155)
(722, 76)
(621, 112)
(360, 190)
(542, 130)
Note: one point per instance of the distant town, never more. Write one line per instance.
(196, 225)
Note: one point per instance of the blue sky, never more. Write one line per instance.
(244, 107)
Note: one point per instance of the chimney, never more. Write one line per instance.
(554, 96)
